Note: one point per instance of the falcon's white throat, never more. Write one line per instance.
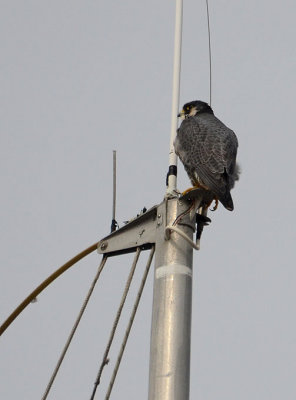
(192, 113)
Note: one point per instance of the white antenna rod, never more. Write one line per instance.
(172, 174)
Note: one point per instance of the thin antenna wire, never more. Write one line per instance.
(114, 223)
(84, 305)
(210, 50)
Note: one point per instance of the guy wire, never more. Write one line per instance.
(115, 323)
(73, 330)
(130, 323)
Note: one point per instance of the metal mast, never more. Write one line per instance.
(169, 377)
(169, 373)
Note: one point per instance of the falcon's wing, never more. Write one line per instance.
(205, 145)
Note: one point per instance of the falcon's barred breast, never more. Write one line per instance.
(208, 149)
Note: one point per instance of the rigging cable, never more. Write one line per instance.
(44, 284)
(130, 323)
(114, 327)
(180, 216)
(70, 337)
(173, 228)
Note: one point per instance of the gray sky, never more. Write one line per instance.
(79, 79)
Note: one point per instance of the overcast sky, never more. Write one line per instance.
(80, 79)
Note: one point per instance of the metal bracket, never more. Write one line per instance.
(142, 231)
(139, 232)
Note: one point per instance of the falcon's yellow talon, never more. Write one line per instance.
(216, 205)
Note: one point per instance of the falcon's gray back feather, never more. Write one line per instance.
(208, 151)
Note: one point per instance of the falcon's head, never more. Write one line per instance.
(193, 108)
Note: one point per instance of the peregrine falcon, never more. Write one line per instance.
(207, 149)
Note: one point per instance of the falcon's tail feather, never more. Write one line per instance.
(227, 202)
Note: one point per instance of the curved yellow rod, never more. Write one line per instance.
(44, 284)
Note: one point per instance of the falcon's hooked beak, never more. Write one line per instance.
(182, 114)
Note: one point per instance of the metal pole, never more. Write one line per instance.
(169, 375)
(172, 175)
